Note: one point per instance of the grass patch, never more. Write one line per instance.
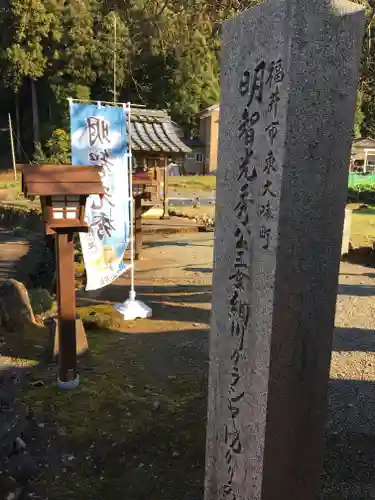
(363, 227)
(10, 185)
(193, 182)
(198, 212)
(100, 316)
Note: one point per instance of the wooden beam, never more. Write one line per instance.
(165, 190)
(66, 304)
(138, 226)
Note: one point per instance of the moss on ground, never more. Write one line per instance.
(363, 226)
(130, 435)
(100, 316)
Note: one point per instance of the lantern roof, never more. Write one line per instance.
(61, 180)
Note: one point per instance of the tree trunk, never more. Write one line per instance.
(34, 100)
(18, 128)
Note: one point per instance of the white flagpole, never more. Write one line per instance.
(110, 103)
(131, 203)
(12, 146)
(115, 59)
(132, 309)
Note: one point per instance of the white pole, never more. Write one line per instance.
(90, 101)
(12, 146)
(115, 59)
(131, 202)
(132, 309)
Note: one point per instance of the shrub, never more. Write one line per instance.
(56, 150)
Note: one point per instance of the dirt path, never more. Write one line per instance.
(12, 250)
(175, 279)
(138, 419)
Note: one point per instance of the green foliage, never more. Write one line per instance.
(56, 150)
(362, 193)
(367, 80)
(27, 24)
(41, 301)
(167, 57)
(359, 116)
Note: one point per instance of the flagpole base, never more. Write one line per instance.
(133, 309)
(68, 386)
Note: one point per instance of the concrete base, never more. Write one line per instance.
(346, 232)
(81, 339)
(68, 386)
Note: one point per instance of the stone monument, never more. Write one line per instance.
(288, 91)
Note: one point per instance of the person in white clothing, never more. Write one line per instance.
(173, 168)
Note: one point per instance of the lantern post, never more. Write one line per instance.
(63, 190)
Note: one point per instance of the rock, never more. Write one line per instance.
(38, 383)
(15, 494)
(15, 307)
(19, 445)
(156, 406)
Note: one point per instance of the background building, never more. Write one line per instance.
(209, 136)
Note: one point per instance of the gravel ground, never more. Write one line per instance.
(183, 264)
(174, 277)
(350, 450)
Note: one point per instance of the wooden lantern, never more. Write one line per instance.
(63, 190)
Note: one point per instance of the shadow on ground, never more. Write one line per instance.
(359, 290)
(354, 339)
(349, 464)
(191, 243)
(135, 428)
(364, 256)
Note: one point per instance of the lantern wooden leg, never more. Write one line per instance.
(165, 200)
(138, 226)
(66, 308)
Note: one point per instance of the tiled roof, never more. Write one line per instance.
(363, 142)
(209, 110)
(153, 131)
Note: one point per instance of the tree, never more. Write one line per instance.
(27, 25)
(195, 82)
(167, 56)
(365, 113)
(112, 48)
(56, 150)
(359, 116)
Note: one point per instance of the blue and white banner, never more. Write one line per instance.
(98, 137)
